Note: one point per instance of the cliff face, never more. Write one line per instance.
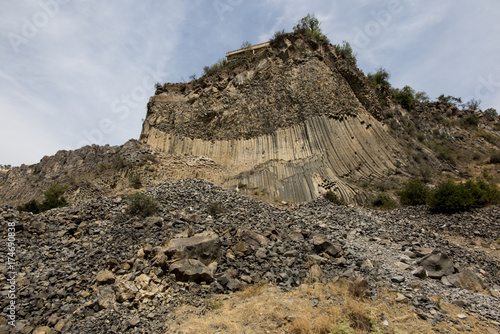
(294, 121)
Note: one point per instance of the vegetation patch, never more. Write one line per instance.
(53, 199)
(332, 197)
(414, 192)
(140, 204)
(451, 197)
(384, 201)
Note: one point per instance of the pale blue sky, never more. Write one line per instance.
(79, 72)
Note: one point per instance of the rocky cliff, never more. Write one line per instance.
(293, 121)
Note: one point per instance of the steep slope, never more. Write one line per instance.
(293, 121)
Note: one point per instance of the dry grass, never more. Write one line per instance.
(312, 309)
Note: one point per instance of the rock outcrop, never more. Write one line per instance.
(294, 121)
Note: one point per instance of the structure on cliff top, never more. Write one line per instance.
(253, 49)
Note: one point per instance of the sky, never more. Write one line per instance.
(75, 73)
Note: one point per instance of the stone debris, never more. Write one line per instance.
(105, 275)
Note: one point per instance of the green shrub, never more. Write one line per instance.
(140, 204)
(414, 192)
(345, 50)
(451, 197)
(473, 104)
(384, 201)
(422, 97)
(332, 197)
(215, 208)
(242, 185)
(404, 96)
(470, 121)
(53, 198)
(135, 181)
(31, 206)
(495, 157)
(491, 112)
(380, 78)
(489, 137)
(449, 99)
(218, 66)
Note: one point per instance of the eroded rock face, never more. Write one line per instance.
(297, 120)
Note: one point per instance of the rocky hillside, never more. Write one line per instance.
(288, 123)
(94, 267)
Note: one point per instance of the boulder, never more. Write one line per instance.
(191, 270)
(322, 244)
(203, 247)
(437, 264)
(467, 279)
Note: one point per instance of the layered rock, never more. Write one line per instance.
(294, 121)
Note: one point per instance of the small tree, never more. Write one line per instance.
(491, 112)
(422, 97)
(380, 78)
(309, 25)
(405, 97)
(473, 104)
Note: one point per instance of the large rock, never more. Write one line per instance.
(191, 270)
(437, 264)
(322, 244)
(467, 279)
(203, 247)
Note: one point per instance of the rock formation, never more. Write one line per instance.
(294, 121)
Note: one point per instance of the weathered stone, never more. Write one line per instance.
(316, 259)
(261, 253)
(125, 290)
(43, 330)
(295, 236)
(420, 272)
(142, 281)
(241, 249)
(191, 270)
(398, 279)
(322, 244)
(467, 279)
(105, 277)
(315, 271)
(400, 298)
(105, 297)
(253, 238)
(203, 247)
(233, 284)
(437, 264)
